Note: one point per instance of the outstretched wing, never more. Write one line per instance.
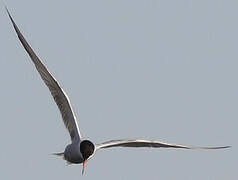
(57, 92)
(146, 143)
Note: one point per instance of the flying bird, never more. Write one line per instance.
(80, 150)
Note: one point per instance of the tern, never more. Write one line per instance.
(80, 150)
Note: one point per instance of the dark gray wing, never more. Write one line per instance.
(57, 92)
(146, 143)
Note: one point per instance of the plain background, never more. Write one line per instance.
(153, 69)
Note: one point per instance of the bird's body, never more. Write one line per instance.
(79, 150)
(72, 153)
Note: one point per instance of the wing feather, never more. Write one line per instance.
(147, 143)
(57, 92)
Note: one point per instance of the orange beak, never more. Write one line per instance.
(84, 166)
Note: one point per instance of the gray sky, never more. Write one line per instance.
(153, 69)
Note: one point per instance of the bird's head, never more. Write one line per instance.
(86, 149)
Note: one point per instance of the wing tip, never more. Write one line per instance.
(9, 15)
(224, 147)
(7, 11)
(217, 147)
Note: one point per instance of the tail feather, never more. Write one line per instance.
(59, 154)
